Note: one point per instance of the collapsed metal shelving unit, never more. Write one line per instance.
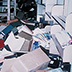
(7, 4)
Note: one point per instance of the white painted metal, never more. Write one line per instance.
(14, 7)
(8, 16)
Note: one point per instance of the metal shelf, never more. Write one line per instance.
(6, 5)
(5, 1)
(3, 14)
(8, 14)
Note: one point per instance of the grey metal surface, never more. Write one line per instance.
(58, 46)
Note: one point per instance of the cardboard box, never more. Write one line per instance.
(21, 42)
(31, 62)
(6, 67)
(26, 45)
(28, 41)
(25, 33)
(15, 44)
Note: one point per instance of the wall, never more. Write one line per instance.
(67, 7)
